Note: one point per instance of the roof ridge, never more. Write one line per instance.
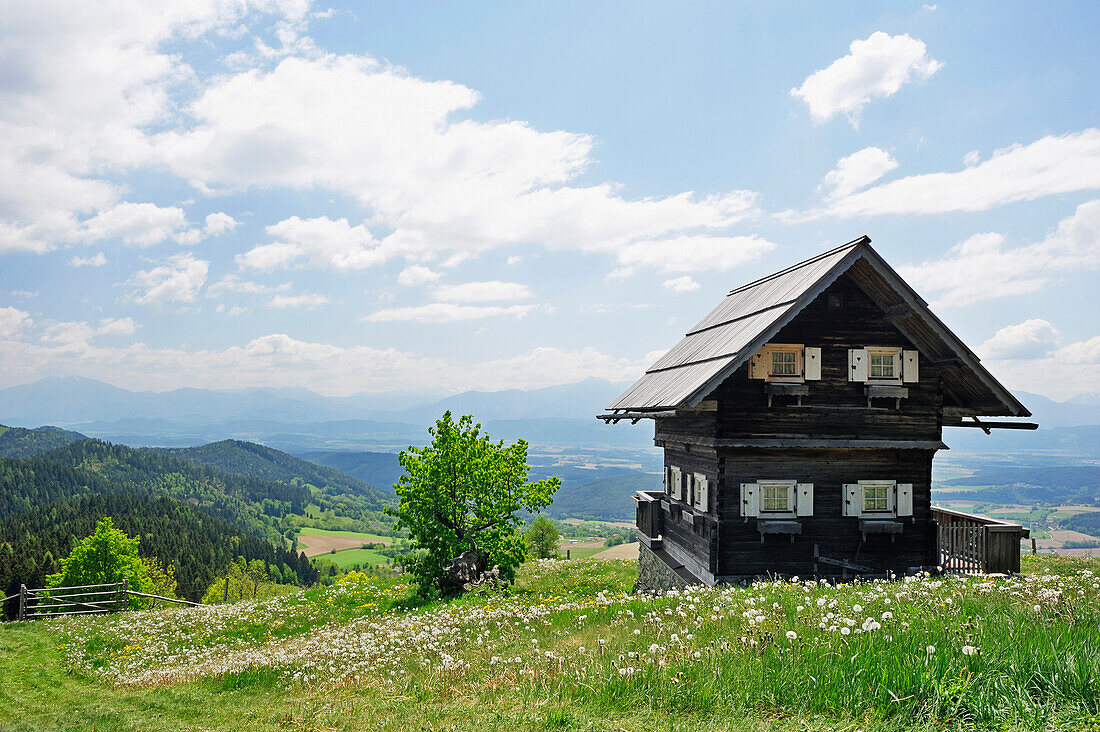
(850, 245)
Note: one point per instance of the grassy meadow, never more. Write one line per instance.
(569, 648)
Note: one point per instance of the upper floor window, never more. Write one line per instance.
(786, 362)
(883, 363)
(776, 496)
(876, 497)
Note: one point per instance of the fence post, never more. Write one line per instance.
(22, 602)
(1033, 551)
(125, 605)
(225, 595)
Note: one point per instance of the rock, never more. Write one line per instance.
(467, 572)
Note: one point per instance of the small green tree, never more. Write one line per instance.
(542, 538)
(462, 492)
(105, 557)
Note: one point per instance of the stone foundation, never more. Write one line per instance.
(653, 574)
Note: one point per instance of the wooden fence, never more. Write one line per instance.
(971, 544)
(55, 602)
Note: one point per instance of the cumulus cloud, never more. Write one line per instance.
(981, 268)
(494, 291)
(446, 312)
(139, 224)
(877, 66)
(1059, 374)
(318, 242)
(856, 171)
(178, 280)
(681, 284)
(234, 283)
(1034, 338)
(82, 84)
(13, 321)
(97, 260)
(116, 326)
(220, 223)
(1048, 166)
(438, 186)
(307, 300)
(417, 275)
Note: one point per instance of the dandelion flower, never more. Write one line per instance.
(791, 635)
(969, 651)
(930, 650)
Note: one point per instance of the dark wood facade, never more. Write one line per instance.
(823, 434)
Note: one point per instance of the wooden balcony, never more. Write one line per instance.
(650, 517)
(971, 544)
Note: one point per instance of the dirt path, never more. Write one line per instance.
(314, 544)
(621, 551)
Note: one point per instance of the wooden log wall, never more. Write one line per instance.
(740, 552)
(835, 407)
(689, 529)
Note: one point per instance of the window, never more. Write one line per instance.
(784, 363)
(882, 366)
(777, 497)
(876, 497)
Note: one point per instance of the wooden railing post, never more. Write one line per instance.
(125, 593)
(22, 602)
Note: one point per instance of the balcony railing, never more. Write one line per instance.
(971, 544)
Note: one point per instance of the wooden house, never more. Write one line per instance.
(799, 420)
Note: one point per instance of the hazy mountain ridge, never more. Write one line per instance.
(19, 442)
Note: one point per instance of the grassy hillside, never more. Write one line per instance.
(19, 442)
(568, 648)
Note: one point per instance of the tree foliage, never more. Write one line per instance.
(542, 538)
(242, 581)
(463, 492)
(105, 557)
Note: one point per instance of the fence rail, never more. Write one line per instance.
(971, 544)
(55, 602)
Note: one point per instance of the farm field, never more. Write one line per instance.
(568, 648)
(321, 541)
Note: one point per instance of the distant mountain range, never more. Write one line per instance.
(299, 420)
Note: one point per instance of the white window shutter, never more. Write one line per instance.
(758, 365)
(750, 499)
(857, 364)
(689, 496)
(909, 372)
(811, 357)
(853, 497)
(702, 496)
(676, 484)
(904, 501)
(804, 500)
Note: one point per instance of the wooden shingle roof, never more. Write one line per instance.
(752, 314)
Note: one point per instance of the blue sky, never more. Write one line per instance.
(438, 197)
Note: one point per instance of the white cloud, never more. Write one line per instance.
(179, 280)
(116, 326)
(1031, 339)
(1059, 374)
(514, 259)
(972, 158)
(444, 312)
(681, 284)
(981, 268)
(82, 85)
(220, 223)
(233, 283)
(417, 275)
(308, 300)
(1048, 166)
(232, 311)
(875, 67)
(440, 187)
(493, 291)
(280, 360)
(67, 332)
(320, 242)
(97, 260)
(139, 224)
(13, 321)
(856, 171)
(692, 253)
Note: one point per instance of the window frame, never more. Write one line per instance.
(798, 350)
(895, 354)
(891, 496)
(791, 487)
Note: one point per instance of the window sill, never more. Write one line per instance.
(786, 388)
(880, 526)
(770, 526)
(885, 391)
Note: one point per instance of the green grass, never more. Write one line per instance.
(350, 557)
(568, 648)
(580, 552)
